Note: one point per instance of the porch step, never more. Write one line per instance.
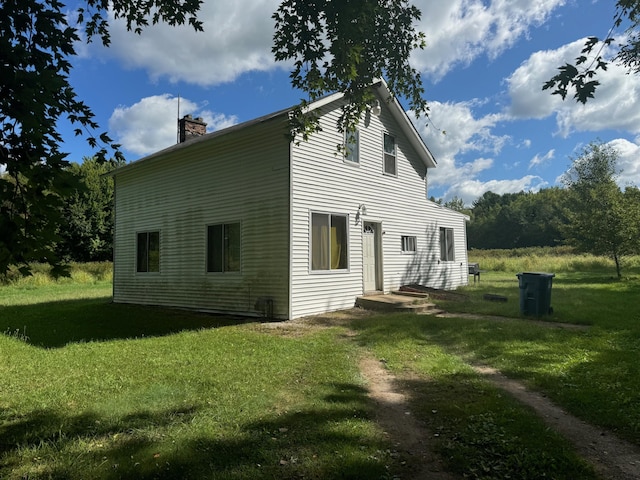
(397, 302)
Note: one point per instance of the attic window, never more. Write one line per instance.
(390, 163)
(351, 146)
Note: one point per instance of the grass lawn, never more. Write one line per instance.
(592, 373)
(99, 391)
(90, 389)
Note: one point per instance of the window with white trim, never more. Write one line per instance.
(446, 245)
(408, 244)
(148, 252)
(223, 247)
(328, 242)
(390, 161)
(351, 146)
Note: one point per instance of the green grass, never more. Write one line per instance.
(592, 373)
(91, 389)
(101, 391)
(481, 432)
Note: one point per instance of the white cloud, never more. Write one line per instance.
(237, 38)
(464, 134)
(151, 124)
(467, 137)
(459, 31)
(628, 162)
(541, 160)
(470, 190)
(616, 104)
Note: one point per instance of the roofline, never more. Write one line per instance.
(451, 210)
(203, 138)
(397, 111)
(407, 125)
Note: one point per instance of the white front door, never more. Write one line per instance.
(369, 257)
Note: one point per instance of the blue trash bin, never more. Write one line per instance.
(535, 293)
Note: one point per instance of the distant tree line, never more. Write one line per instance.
(516, 220)
(591, 212)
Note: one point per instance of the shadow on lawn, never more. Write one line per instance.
(55, 324)
(318, 442)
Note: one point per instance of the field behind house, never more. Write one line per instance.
(91, 389)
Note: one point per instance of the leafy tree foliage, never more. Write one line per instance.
(345, 46)
(601, 218)
(336, 46)
(36, 48)
(516, 220)
(86, 231)
(581, 76)
(458, 205)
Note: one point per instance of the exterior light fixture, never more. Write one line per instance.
(362, 210)
(376, 109)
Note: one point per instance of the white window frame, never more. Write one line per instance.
(330, 216)
(224, 260)
(352, 148)
(447, 244)
(393, 155)
(409, 244)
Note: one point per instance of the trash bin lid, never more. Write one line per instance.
(543, 274)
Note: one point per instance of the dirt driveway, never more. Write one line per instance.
(611, 457)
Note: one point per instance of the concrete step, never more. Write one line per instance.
(393, 302)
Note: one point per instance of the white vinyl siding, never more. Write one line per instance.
(240, 178)
(254, 177)
(320, 183)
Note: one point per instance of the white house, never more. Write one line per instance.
(244, 221)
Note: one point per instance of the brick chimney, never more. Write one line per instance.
(191, 128)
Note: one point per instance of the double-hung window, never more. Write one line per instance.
(446, 245)
(328, 242)
(223, 247)
(390, 161)
(351, 146)
(148, 252)
(408, 244)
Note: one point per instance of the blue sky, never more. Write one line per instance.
(483, 69)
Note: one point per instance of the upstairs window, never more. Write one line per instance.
(390, 163)
(328, 242)
(223, 247)
(351, 147)
(446, 245)
(148, 252)
(408, 244)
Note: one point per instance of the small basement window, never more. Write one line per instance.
(408, 244)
